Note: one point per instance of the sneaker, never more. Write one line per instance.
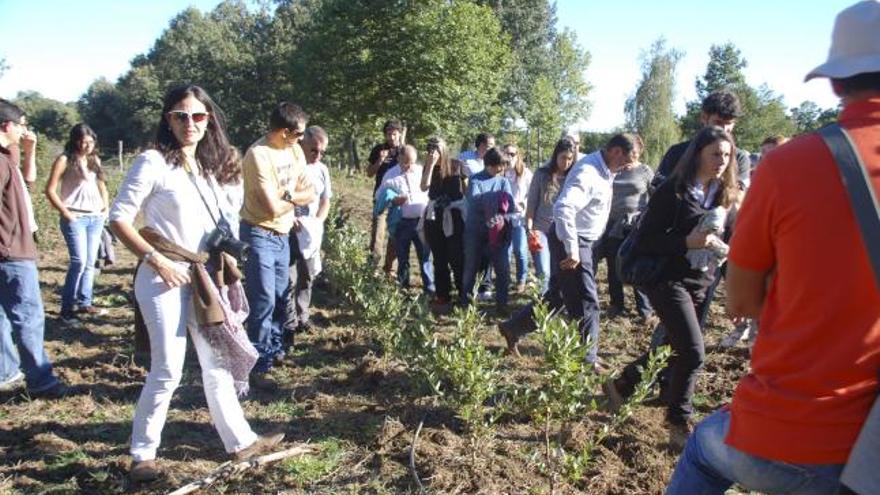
(91, 311)
(679, 432)
(484, 296)
(263, 382)
(57, 391)
(262, 445)
(521, 288)
(304, 327)
(144, 471)
(69, 317)
(510, 339)
(739, 334)
(15, 382)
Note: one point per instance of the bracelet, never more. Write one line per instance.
(148, 256)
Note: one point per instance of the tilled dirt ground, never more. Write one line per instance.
(359, 410)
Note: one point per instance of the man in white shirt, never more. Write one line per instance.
(473, 159)
(307, 235)
(580, 215)
(405, 179)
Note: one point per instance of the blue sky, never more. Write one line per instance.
(58, 47)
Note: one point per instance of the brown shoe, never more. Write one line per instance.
(511, 340)
(144, 471)
(678, 434)
(263, 382)
(261, 445)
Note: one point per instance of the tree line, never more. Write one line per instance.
(449, 67)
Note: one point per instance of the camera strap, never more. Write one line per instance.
(192, 177)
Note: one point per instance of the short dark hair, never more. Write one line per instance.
(287, 116)
(392, 124)
(860, 82)
(494, 157)
(482, 138)
(624, 141)
(723, 103)
(10, 112)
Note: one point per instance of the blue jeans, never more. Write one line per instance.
(9, 360)
(541, 259)
(22, 305)
(267, 286)
(519, 246)
(709, 466)
(476, 245)
(407, 233)
(83, 236)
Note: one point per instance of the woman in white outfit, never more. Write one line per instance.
(166, 185)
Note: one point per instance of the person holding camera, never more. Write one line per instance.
(175, 189)
(275, 182)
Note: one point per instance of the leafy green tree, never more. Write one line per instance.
(47, 116)
(763, 111)
(531, 25)
(438, 65)
(559, 97)
(808, 116)
(102, 107)
(649, 110)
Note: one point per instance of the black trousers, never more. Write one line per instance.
(678, 305)
(448, 254)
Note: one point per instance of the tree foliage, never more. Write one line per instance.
(764, 113)
(808, 116)
(47, 116)
(439, 65)
(649, 111)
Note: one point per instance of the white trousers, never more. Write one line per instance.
(167, 312)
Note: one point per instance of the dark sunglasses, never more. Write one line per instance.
(183, 117)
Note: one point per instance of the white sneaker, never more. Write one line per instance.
(740, 333)
(13, 383)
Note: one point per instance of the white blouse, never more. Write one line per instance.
(169, 201)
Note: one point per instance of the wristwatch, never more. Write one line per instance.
(148, 256)
(287, 197)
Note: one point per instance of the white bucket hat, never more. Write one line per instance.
(855, 43)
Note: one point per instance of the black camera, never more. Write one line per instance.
(222, 240)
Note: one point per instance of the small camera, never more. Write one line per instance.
(222, 240)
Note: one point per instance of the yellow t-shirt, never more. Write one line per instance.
(271, 169)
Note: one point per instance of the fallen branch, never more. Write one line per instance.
(412, 457)
(229, 468)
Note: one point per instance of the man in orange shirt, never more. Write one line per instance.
(798, 262)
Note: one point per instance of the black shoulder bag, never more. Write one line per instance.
(861, 473)
(636, 269)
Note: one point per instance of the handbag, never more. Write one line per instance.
(860, 473)
(639, 269)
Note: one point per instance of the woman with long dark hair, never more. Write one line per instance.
(703, 181)
(82, 204)
(543, 190)
(442, 178)
(177, 189)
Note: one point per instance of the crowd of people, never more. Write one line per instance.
(229, 247)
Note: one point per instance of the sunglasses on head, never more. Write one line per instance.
(183, 117)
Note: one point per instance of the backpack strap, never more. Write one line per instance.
(858, 186)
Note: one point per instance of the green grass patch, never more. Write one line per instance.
(65, 459)
(311, 468)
